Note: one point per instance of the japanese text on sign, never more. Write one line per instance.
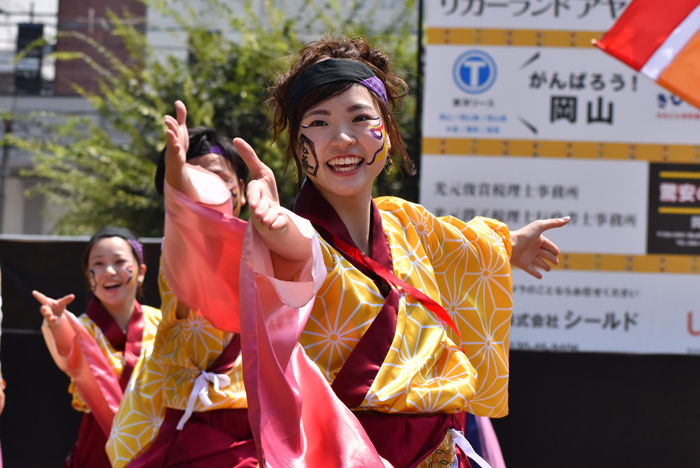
(553, 8)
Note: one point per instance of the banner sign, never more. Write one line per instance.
(570, 15)
(525, 120)
(549, 94)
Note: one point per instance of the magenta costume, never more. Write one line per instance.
(95, 380)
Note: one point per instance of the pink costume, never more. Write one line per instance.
(86, 365)
(322, 432)
(314, 427)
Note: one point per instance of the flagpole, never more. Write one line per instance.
(417, 134)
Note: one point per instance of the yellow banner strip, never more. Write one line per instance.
(680, 264)
(679, 175)
(563, 149)
(514, 37)
(678, 210)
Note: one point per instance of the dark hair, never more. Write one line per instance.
(111, 231)
(201, 139)
(350, 49)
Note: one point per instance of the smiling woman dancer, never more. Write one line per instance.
(375, 327)
(100, 349)
(186, 407)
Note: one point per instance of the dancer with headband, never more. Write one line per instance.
(367, 325)
(187, 405)
(100, 349)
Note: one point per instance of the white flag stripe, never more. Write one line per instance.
(673, 44)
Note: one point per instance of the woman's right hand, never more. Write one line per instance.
(290, 249)
(176, 150)
(52, 309)
(261, 192)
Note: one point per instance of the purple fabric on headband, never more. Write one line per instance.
(138, 248)
(217, 150)
(376, 85)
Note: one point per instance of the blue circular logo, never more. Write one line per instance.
(474, 72)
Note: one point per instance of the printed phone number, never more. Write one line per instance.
(541, 346)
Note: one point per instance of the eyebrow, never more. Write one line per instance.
(318, 112)
(353, 108)
(360, 106)
(118, 253)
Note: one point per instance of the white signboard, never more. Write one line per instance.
(608, 215)
(604, 311)
(548, 94)
(524, 120)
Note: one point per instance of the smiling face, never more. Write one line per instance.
(342, 144)
(221, 166)
(113, 271)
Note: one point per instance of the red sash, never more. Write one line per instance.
(359, 371)
(128, 343)
(404, 440)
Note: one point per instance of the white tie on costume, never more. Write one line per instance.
(459, 440)
(200, 391)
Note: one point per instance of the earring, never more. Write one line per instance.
(389, 166)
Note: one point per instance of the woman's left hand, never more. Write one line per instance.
(532, 250)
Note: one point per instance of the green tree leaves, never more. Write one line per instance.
(102, 170)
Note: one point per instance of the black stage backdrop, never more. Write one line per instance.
(566, 410)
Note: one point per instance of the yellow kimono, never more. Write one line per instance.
(464, 266)
(182, 348)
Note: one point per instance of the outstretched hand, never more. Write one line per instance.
(266, 213)
(532, 250)
(52, 309)
(289, 248)
(178, 137)
(176, 150)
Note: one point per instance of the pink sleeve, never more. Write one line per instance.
(88, 368)
(490, 447)
(202, 250)
(293, 412)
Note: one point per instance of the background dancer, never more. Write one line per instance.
(100, 349)
(192, 381)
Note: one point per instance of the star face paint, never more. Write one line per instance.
(378, 133)
(308, 151)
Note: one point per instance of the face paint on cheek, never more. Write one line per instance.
(308, 151)
(377, 132)
(235, 199)
(132, 277)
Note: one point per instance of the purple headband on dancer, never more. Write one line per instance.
(125, 234)
(217, 150)
(332, 71)
(138, 248)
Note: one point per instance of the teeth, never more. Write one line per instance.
(350, 162)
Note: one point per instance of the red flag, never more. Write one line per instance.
(661, 39)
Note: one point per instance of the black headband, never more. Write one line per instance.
(125, 234)
(333, 71)
(204, 146)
